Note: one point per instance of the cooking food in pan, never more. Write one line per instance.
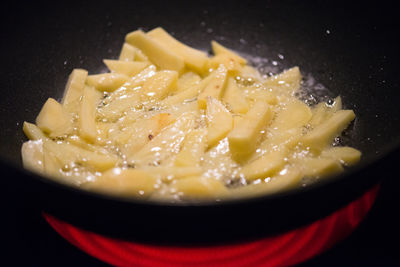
(170, 122)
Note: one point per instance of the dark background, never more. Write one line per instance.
(27, 239)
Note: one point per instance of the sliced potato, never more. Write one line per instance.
(219, 121)
(219, 49)
(187, 80)
(128, 68)
(295, 114)
(347, 155)
(74, 90)
(131, 53)
(33, 132)
(287, 179)
(235, 98)
(87, 119)
(159, 85)
(232, 64)
(69, 154)
(134, 137)
(53, 119)
(193, 58)
(32, 156)
(199, 187)
(124, 182)
(287, 82)
(319, 167)
(268, 164)
(244, 136)
(323, 134)
(108, 82)
(193, 149)
(215, 88)
(187, 94)
(156, 51)
(166, 144)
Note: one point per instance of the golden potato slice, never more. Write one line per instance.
(235, 98)
(286, 82)
(67, 154)
(295, 114)
(244, 136)
(215, 87)
(33, 132)
(87, 114)
(32, 156)
(319, 167)
(53, 119)
(166, 144)
(346, 155)
(74, 90)
(194, 59)
(159, 85)
(158, 53)
(193, 149)
(199, 187)
(324, 133)
(232, 64)
(187, 94)
(124, 182)
(131, 53)
(128, 68)
(187, 80)
(268, 164)
(108, 82)
(287, 179)
(218, 49)
(219, 121)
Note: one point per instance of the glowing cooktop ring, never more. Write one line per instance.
(286, 249)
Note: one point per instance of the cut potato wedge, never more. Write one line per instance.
(218, 49)
(287, 82)
(68, 154)
(131, 53)
(235, 98)
(74, 90)
(128, 68)
(156, 51)
(107, 82)
(32, 156)
(33, 132)
(53, 119)
(194, 59)
(166, 144)
(346, 155)
(219, 121)
(124, 182)
(295, 114)
(215, 88)
(288, 179)
(187, 80)
(159, 85)
(319, 167)
(265, 166)
(244, 136)
(323, 134)
(193, 149)
(87, 114)
(200, 187)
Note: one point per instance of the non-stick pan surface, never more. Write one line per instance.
(350, 49)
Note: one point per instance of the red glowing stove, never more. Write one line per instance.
(286, 249)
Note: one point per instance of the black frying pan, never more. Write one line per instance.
(350, 49)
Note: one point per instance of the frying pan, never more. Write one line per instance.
(348, 48)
